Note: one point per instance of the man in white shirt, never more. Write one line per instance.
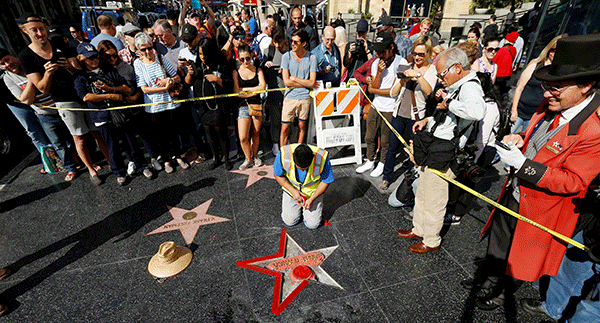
(264, 39)
(384, 74)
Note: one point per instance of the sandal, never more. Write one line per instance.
(96, 167)
(70, 176)
(43, 171)
(182, 164)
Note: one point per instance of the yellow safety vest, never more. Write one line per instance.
(313, 175)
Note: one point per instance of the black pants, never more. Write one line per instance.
(168, 128)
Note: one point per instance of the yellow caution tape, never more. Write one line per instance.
(475, 193)
(211, 97)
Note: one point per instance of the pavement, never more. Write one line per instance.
(80, 252)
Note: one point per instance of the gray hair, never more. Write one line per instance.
(455, 56)
(142, 39)
(163, 23)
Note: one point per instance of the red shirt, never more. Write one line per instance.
(504, 59)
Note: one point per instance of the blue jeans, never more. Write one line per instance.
(60, 138)
(520, 122)
(563, 298)
(28, 119)
(404, 128)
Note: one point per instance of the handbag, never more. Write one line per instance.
(177, 87)
(255, 110)
(405, 193)
(119, 117)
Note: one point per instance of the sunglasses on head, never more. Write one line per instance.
(245, 59)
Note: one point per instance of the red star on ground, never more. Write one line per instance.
(256, 173)
(189, 221)
(286, 288)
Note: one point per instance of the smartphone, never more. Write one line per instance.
(196, 4)
(502, 145)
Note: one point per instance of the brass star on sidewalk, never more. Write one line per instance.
(293, 268)
(256, 173)
(189, 221)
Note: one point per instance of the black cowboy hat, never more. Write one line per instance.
(575, 57)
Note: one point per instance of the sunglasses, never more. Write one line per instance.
(553, 89)
(245, 59)
(492, 49)
(297, 42)
(146, 49)
(111, 56)
(135, 33)
(73, 31)
(239, 37)
(153, 36)
(419, 54)
(443, 74)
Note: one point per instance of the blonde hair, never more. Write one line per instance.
(426, 22)
(437, 49)
(423, 40)
(544, 54)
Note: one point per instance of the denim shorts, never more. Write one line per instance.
(243, 112)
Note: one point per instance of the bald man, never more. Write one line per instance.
(298, 23)
(328, 58)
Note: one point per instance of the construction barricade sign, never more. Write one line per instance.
(337, 123)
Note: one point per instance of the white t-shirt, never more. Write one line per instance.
(388, 76)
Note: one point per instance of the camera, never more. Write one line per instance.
(401, 70)
(465, 159)
(359, 47)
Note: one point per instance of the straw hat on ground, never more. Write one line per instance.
(170, 260)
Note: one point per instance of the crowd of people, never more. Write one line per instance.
(447, 103)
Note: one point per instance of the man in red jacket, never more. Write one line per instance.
(504, 59)
(552, 165)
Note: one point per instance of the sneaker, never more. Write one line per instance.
(121, 180)
(258, 162)
(131, 168)
(451, 219)
(168, 168)
(245, 165)
(148, 173)
(228, 165)
(378, 171)
(200, 160)
(384, 185)
(156, 165)
(260, 153)
(368, 165)
(275, 149)
(183, 164)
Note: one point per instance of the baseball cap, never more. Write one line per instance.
(362, 26)
(476, 24)
(385, 21)
(382, 41)
(189, 32)
(130, 28)
(86, 50)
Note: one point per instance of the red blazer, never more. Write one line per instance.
(552, 188)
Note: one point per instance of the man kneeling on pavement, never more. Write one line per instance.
(436, 141)
(304, 172)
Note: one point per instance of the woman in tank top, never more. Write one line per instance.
(484, 64)
(249, 78)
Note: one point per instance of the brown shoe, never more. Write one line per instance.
(5, 272)
(422, 248)
(408, 234)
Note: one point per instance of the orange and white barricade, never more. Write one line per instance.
(337, 123)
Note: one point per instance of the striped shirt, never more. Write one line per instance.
(16, 84)
(147, 75)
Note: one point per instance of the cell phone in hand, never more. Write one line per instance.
(502, 145)
(401, 70)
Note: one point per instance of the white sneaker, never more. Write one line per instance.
(246, 164)
(378, 171)
(131, 168)
(368, 165)
(258, 162)
(156, 165)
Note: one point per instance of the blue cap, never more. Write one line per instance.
(87, 50)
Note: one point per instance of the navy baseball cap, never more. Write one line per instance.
(87, 50)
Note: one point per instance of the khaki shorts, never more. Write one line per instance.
(79, 123)
(291, 107)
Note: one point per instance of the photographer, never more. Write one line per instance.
(461, 106)
(357, 53)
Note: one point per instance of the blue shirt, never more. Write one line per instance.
(325, 58)
(253, 26)
(302, 70)
(404, 46)
(326, 174)
(102, 36)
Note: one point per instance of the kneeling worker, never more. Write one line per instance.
(304, 172)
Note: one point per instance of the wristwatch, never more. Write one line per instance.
(419, 74)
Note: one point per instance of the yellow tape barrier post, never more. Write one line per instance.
(477, 194)
(218, 96)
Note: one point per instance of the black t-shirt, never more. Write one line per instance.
(491, 31)
(62, 88)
